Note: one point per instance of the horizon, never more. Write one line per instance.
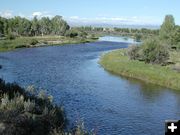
(102, 13)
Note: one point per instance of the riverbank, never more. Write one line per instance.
(118, 62)
(39, 41)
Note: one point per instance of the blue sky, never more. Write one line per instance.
(95, 11)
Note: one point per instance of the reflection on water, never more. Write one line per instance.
(107, 103)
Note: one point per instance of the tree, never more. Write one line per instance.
(133, 52)
(59, 26)
(155, 52)
(72, 33)
(167, 29)
(19, 26)
(24, 27)
(35, 26)
(176, 35)
(45, 25)
(1, 26)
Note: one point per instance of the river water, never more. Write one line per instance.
(109, 104)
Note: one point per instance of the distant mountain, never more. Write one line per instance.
(135, 26)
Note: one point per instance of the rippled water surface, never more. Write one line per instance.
(109, 104)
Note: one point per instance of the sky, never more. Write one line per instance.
(87, 12)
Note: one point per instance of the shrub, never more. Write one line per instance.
(16, 103)
(24, 113)
(133, 52)
(33, 42)
(138, 37)
(178, 46)
(71, 33)
(20, 46)
(155, 52)
(11, 37)
(29, 106)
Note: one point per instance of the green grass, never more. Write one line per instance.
(22, 42)
(118, 62)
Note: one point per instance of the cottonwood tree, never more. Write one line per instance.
(45, 25)
(35, 27)
(59, 26)
(167, 29)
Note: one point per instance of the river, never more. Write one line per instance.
(109, 104)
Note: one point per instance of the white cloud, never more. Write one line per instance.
(42, 14)
(38, 14)
(6, 14)
(10, 14)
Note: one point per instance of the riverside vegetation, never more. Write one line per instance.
(20, 32)
(27, 112)
(156, 60)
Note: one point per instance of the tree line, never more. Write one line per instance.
(19, 26)
(137, 34)
(120, 30)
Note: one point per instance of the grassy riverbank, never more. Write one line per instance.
(38, 41)
(118, 62)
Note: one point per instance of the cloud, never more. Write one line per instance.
(36, 14)
(6, 14)
(42, 14)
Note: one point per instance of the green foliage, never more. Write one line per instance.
(176, 37)
(11, 37)
(45, 26)
(59, 26)
(72, 33)
(151, 51)
(24, 113)
(133, 52)
(167, 29)
(137, 34)
(35, 27)
(2, 24)
(138, 37)
(154, 52)
(23, 27)
(33, 42)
